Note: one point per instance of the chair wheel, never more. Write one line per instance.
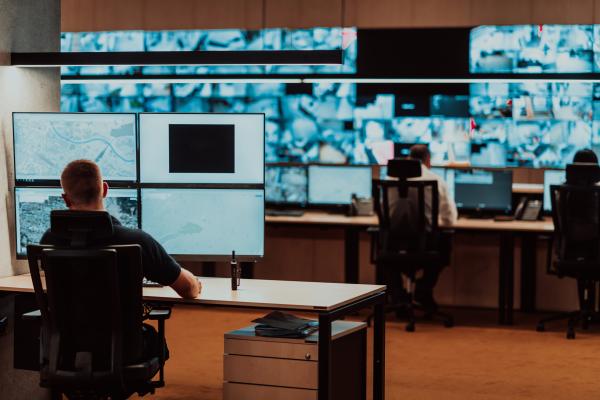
(449, 323)
(570, 334)
(410, 327)
(540, 327)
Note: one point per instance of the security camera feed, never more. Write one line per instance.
(33, 206)
(206, 222)
(335, 185)
(524, 49)
(44, 143)
(213, 40)
(551, 177)
(202, 148)
(481, 190)
(286, 185)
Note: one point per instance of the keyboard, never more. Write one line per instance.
(284, 213)
(148, 283)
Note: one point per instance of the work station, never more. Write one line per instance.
(291, 199)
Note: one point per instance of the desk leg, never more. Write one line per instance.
(325, 357)
(506, 279)
(351, 254)
(379, 352)
(247, 270)
(528, 271)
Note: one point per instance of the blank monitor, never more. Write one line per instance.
(551, 177)
(335, 185)
(286, 185)
(202, 148)
(206, 222)
(481, 190)
(33, 206)
(45, 142)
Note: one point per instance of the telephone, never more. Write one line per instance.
(528, 210)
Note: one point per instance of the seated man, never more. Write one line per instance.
(447, 216)
(84, 190)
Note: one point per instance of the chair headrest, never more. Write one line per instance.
(81, 227)
(583, 173)
(404, 168)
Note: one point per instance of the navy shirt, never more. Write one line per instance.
(158, 266)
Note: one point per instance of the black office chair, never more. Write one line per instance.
(574, 251)
(407, 239)
(91, 343)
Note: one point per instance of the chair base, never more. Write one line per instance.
(573, 318)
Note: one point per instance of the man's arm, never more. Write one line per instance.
(187, 285)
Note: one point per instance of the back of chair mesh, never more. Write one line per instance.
(95, 308)
(405, 220)
(576, 215)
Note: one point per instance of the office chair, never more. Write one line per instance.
(574, 249)
(92, 344)
(407, 239)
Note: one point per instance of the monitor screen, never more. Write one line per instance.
(336, 184)
(44, 143)
(202, 148)
(481, 190)
(286, 185)
(551, 177)
(209, 223)
(33, 206)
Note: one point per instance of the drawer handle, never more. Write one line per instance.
(307, 356)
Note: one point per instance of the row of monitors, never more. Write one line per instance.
(319, 185)
(170, 148)
(207, 223)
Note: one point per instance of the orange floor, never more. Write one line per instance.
(477, 359)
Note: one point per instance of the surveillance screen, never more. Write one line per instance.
(206, 222)
(532, 49)
(551, 177)
(482, 190)
(33, 207)
(286, 185)
(202, 148)
(44, 143)
(336, 184)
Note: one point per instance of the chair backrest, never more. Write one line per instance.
(92, 309)
(576, 217)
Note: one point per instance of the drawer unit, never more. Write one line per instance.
(256, 367)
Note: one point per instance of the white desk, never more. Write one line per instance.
(331, 301)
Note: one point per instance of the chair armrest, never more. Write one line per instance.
(159, 314)
(32, 316)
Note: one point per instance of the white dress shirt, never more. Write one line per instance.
(448, 214)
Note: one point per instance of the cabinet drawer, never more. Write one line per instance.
(294, 351)
(240, 391)
(270, 371)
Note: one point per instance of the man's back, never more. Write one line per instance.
(448, 213)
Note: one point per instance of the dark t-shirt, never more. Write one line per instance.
(158, 266)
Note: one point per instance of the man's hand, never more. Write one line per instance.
(187, 285)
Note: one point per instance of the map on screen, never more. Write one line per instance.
(46, 142)
(206, 222)
(34, 206)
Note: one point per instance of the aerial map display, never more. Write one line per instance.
(46, 142)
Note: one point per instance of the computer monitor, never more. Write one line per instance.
(44, 143)
(552, 177)
(286, 185)
(480, 190)
(206, 223)
(33, 206)
(335, 185)
(202, 148)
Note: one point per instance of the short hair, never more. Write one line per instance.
(420, 152)
(81, 181)
(585, 156)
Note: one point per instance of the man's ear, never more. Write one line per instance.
(104, 189)
(67, 201)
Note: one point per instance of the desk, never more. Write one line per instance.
(331, 301)
(507, 231)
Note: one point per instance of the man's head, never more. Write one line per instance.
(585, 156)
(83, 186)
(421, 152)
